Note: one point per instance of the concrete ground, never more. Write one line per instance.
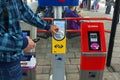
(72, 62)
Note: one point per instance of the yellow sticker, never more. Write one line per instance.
(59, 46)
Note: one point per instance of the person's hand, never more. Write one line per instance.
(30, 45)
(80, 15)
(53, 29)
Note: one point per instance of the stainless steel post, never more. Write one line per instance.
(58, 64)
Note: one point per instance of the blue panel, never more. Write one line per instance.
(58, 2)
(26, 33)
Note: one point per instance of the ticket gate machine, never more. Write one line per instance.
(59, 39)
(59, 50)
(93, 47)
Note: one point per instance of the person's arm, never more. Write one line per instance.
(29, 17)
(30, 44)
(73, 14)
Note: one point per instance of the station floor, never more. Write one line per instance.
(72, 61)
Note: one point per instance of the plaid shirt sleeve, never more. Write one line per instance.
(29, 17)
(9, 41)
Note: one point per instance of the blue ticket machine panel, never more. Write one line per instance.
(58, 2)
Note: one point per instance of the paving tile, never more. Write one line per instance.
(70, 55)
(73, 76)
(43, 69)
(115, 60)
(71, 68)
(110, 76)
(43, 62)
(116, 67)
(42, 77)
(75, 61)
(67, 61)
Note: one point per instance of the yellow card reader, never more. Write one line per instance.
(59, 39)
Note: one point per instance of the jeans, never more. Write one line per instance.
(10, 70)
(95, 6)
(108, 9)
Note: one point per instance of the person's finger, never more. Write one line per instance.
(54, 32)
(34, 45)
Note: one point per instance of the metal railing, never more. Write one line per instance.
(92, 18)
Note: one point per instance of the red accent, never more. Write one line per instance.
(61, 0)
(81, 5)
(88, 61)
(92, 63)
(85, 27)
(90, 18)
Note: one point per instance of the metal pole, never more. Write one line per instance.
(88, 4)
(57, 12)
(58, 60)
(113, 31)
(108, 7)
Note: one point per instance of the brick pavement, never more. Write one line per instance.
(44, 56)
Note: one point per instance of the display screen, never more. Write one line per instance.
(60, 23)
(93, 37)
(61, 33)
(94, 40)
